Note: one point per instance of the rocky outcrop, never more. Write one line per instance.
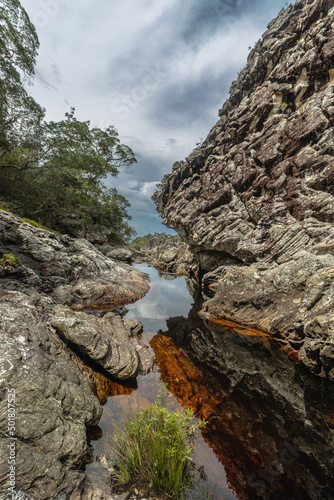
(48, 333)
(54, 402)
(270, 422)
(71, 270)
(105, 340)
(118, 252)
(168, 254)
(255, 201)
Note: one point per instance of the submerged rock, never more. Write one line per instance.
(270, 421)
(255, 201)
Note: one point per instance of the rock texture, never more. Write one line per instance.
(256, 200)
(270, 422)
(105, 340)
(44, 347)
(118, 252)
(168, 254)
(71, 270)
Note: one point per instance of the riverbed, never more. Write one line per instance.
(270, 430)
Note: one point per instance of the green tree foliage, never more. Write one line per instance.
(53, 172)
(58, 179)
(140, 241)
(18, 50)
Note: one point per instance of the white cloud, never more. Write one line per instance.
(155, 69)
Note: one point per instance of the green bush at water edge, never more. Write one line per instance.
(154, 449)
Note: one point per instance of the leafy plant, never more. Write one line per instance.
(9, 260)
(154, 448)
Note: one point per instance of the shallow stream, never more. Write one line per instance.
(271, 423)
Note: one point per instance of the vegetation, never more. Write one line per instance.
(9, 260)
(53, 172)
(154, 449)
(37, 224)
(139, 242)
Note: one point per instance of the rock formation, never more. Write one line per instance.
(270, 422)
(45, 345)
(255, 201)
(168, 254)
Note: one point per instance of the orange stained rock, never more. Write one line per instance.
(235, 327)
(109, 305)
(184, 379)
(106, 388)
(293, 355)
(330, 418)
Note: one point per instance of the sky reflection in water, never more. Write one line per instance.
(166, 298)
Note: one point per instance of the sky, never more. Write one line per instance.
(157, 70)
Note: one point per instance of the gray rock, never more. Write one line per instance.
(259, 189)
(168, 254)
(71, 270)
(133, 326)
(293, 301)
(105, 340)
(120, 253)
(56, 397)
(54, 401)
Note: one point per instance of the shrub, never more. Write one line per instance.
(9, 260)
(154, 449)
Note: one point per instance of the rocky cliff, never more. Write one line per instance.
(270, 422)
(255, 201)
(49, 287)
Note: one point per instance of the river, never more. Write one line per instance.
(270, 430)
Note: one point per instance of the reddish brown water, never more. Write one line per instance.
(271, 428)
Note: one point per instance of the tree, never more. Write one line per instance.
(18, 50)
(53, 171)
(58, 177)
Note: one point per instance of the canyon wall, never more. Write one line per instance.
(255, 201)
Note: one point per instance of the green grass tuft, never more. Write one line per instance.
(37, 224)
(9, 260)
(154, 448)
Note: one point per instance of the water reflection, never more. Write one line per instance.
(165, 298)
(271, 423)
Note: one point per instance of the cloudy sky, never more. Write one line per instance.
(158, 70)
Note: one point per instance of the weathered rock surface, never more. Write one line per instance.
(54, 402)
(293, 301)
(167, 253)
(40, 337)
(71, 270)
(118, 252)
(270, 422)
(259, 190)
